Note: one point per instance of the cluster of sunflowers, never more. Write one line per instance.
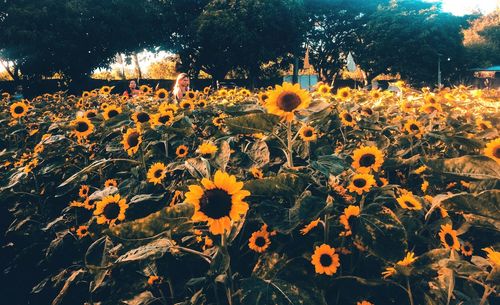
(273, 196)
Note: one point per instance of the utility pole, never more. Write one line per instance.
(439, 70)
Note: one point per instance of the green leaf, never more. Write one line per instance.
(484, 204)
(150, 251)
(330, 165)
(259, 153)
(223, 155)
(252, 123)
(174, 218)
(257, 291)
(198, 167)
(470, 167)
(381, 232)
(282, 184)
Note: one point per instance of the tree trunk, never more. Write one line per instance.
(11, 74)
(295, 76)
(136, 64)
(119, 59)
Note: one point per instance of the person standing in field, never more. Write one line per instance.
(181, 86)
(132, 89)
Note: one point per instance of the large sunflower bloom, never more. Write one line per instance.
(111, 111)
(361, 183)
(350, 211)
(344, 93)
(347, 119)
(131, 141)
(414, 128)
(308, 134)
(492, 150)
(82, 127)
(161, 94)
(156, 173)
(18, 109)
(207, 149)
(325, 260)
(366, 158)
(259, 241)
(408, 201)
(181, 151)
(286, 99)
(493, 256)
(218, 202)
(110, 209)
(449, 238)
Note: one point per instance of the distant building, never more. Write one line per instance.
(487, 77)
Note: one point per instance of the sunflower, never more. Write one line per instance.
(145, 89)
(492, 150)
(82, 127)
(347, 119)
(364, 303)
(110, 209)
(366, 158)
(82, 231)
(389, 271)
(84, 191)
(259, 241)
(90, 113)
(408, 201)
(308, 133)
(201, 103)
(131, 141)
(85, 94)
(324, 89)
(111, 111)
(256, 173)
(307, 228)
(219, 120)
(156, 173)
(467, 249)
(164, 107)
(141, 117)
(483, 124)
(162, 118)
(181, 151)
(18, 109)
(187, 104)
(375, 94)
(361, 183)
(219, 201)
(190, 95)
(207, 149)
(420, 169)
(161, 94)
(110, 182)
(430, 108)
(263, 96)
(430, 99)
(449, 238)
(154, 280)
(407, 260)
(6, 95)
(105, 90)
(493, 256)
(286, 99)
(350, 211)
(325, 260)
(206, 90)
(344, 93)
(414, 128)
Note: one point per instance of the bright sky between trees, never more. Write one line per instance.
(462, 7)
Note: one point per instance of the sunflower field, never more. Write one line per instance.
(272, 196)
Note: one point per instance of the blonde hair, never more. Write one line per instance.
(177, 88)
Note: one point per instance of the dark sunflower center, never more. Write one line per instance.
(414, 127)
(112, 210)
(83, 231)
(483, 126)
(448, 239)
(467, 248)
(308, 133)
(345, 94)
(164, 118)
(264, 97)
(19, 109)
(186, 105)
(112, 113)
(409, 204)
(133, 139)
(82, 127)
(216, 203)
(325, 260)
(496, 152)
(218, 121)
(348, 117)
(182, 151)
(367, 160)
(158, 173)
(260, 241)
(369, 111)
(288, 101)
(161, 95)
(191, 95)
(360, 182)
(143, 117)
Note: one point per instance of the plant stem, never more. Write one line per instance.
(290, 142)
(408, 289)
(327, 229)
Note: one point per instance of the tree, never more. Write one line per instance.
(73, 37)
(482, 41)
(408, 37)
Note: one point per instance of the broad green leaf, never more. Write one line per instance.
(252, 123)
(470, 167)
(150, 251)
(282, 184)
(330, 165)
(484, 204)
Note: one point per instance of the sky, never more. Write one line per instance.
(462, 7)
